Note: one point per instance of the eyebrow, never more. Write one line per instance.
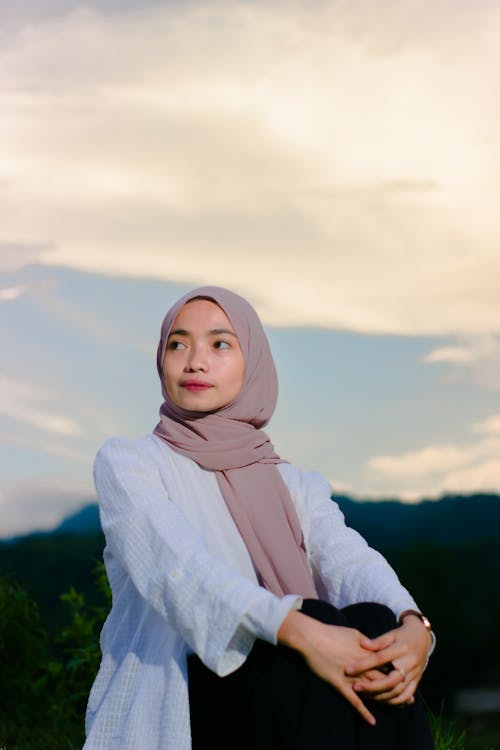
(212, 332)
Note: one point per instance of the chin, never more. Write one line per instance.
(197, 405)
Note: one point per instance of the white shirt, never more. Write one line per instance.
(182, 581)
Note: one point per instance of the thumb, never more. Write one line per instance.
(377, 644)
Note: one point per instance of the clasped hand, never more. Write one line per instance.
(358, 666)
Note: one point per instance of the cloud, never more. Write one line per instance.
(12, 292)
(14, 256)
(475, 357)
(453, 354)
(434, 459)
(49, 447)
(27, 404)
(490, 426)
(338, 163)
(40, 505)
(437, 468)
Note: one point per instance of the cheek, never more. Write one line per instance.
(231, 374)
(238, 375)
(168, 371)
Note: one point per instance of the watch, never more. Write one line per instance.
(424, 620)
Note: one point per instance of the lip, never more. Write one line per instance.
(195, 385)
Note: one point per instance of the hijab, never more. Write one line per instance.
(230, 442)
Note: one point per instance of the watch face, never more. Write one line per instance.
(426, 622)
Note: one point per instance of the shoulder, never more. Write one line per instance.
(115, 447)
(304, 482)
(137, 469)
(117, 451)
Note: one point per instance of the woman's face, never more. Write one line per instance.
(203, 365)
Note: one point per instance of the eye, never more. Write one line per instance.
(175, 345)
(222, 345)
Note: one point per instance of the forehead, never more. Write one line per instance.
(201, 313)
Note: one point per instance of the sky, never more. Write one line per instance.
(337, 163)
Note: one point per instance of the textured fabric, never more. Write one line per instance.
(230, 442)
(179, 586)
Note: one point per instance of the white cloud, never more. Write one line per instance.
(485, 475)
(14, 256)
(452, 354)
(471, 467)
(41, 505)
(27, 404)
(475, 357)
(336, 162)
(12, 292)
(50, 447)
(490, 426)
(434, 459)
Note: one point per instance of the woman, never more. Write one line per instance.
(245, 613)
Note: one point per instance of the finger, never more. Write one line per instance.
(383, 641)
(383, 686)
(408, 673)
(406, 696)
(367, 644)
(372, 674)
(390, 695)
(401, 692)
(386, 688)
(358, 704)
(377, 659)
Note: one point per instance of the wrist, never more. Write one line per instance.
(292, 631)
(409, 616)
(415, 613)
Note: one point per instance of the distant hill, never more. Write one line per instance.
(452, 521)
(84, 521)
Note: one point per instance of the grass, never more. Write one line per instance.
(446, 735)
(481, 732)
(462, 733)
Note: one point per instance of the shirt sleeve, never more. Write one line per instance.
(346, 566)
(215, 610)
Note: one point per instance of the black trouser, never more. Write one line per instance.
(274, 701)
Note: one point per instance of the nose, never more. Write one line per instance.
(197, 360)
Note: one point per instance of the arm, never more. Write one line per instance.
(350, 571)
(347, 567)
(218, 612)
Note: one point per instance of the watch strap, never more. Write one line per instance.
(424, 620)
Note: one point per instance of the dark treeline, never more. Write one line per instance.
(447, 553)
(54, 597)
(48, 659)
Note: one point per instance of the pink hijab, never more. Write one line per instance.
(230, 442)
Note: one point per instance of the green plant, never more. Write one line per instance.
(45, 684)
(446, 735)
(79, 652)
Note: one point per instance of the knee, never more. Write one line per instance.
(323, 611)
(371, 618)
